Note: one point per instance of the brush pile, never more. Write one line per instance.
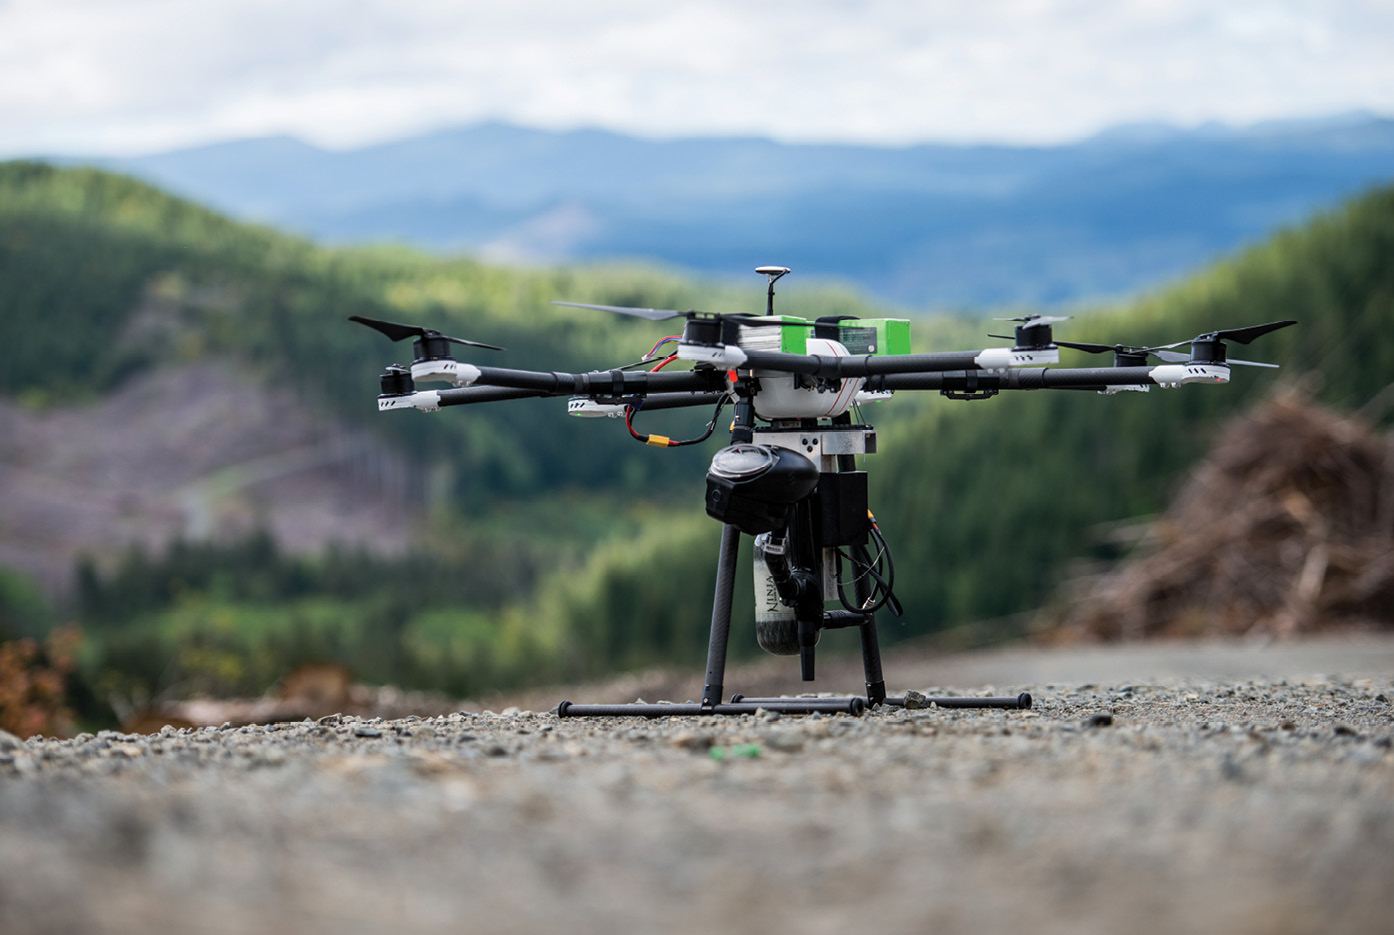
(1287, 527)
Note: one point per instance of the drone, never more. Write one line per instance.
(788, 479)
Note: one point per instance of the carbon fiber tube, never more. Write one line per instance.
(607, 382)
(651, 403)
(1034, 378)
(721, 614)
(1021, 702)
(854, 706)
(820, 366)
(468, 395)
(656, 401)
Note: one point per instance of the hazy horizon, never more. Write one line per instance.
(98, 78)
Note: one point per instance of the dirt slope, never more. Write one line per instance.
(200, 451)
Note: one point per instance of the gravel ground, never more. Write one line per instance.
(1236, 805)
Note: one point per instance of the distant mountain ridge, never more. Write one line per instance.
(926, 225)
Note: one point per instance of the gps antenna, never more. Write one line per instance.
(774, 272)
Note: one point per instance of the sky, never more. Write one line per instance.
(121, 77)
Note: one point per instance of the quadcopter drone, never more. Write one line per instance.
(788, 478)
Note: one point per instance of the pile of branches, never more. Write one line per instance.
(1287, 527)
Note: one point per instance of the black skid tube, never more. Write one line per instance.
(853, 706)
(1019, 702)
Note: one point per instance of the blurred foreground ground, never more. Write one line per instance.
(1152, 789)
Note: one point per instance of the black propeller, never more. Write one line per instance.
(1034, 321)
(652, 314)
(663, 314)
(1206, 348)
(710, 329)
(1123, 355)
(1242, 335)
(426, 336)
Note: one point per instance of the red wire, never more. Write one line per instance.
(663, 341)
(629, 410)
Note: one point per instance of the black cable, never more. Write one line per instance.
(663, 441)
(883, 580)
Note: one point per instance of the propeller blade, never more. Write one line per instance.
(398, 332)
(770, 324)
(1245, 335)
(652, 314)
(663, 314)
(1242, 335)
(1251, 363)
(1171, 357)
(1090, 348)
(491, 347)
(392, 329)
(1034, 321)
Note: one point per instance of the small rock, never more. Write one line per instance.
(914, 699)
(366, 732)
(784, 741)
(9, 741)
(691, 740)
(1103, 719)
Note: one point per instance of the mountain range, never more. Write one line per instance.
(929, 226)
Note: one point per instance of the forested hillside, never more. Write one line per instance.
(559, 547)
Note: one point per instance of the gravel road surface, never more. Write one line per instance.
(1211, 802)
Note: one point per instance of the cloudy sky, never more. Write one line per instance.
(130, 76)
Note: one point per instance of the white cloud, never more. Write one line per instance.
(124, 75)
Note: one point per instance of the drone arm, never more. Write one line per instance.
(1045, 378)
(656, 401)
(844, 367)
(484, 394)
(651, 402)
(608, 382)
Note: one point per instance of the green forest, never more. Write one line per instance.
(558, 548)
